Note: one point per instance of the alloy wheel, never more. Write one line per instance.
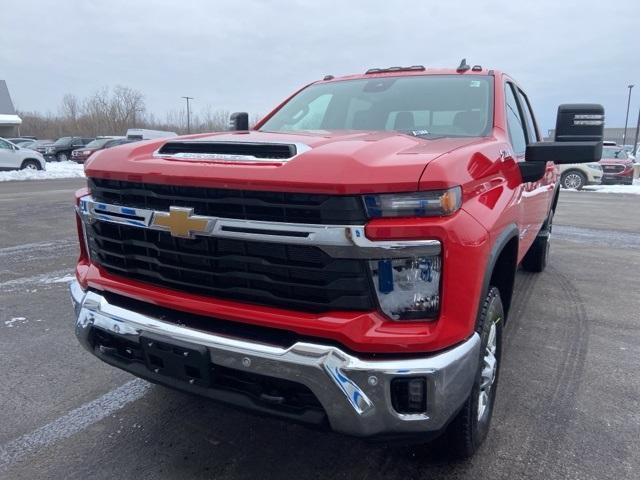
(573, 180)
(489, 369)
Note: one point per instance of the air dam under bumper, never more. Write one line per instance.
(355, 393)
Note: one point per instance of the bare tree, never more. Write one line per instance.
(213, 120)
(112, 112)
(70, 107)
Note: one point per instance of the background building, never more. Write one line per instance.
(9, 121)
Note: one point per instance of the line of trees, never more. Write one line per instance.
(112, 112)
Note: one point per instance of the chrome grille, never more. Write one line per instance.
(297, 277)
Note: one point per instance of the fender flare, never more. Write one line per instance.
(505, 236)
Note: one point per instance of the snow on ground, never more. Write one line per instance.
(635, 188)
(54, 170)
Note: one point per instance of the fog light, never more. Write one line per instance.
(409, 395)
(408, 288)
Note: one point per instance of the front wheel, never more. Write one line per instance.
(62, 157)
(573, 179)
(30, 165)
(469, 428)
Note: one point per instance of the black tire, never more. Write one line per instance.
(62, 157)
(30, 165)
(470, 427)
(535, 260)
(573, 179)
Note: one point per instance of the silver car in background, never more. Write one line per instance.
(13, 157)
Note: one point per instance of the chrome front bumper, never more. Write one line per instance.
(354, 393)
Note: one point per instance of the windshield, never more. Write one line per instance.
(614, 153)
(97, 143)
(429, 105)
(63, 141)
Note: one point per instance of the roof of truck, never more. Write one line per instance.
(410, 71)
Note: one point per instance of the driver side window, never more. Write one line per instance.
(514, 122)
(5, 145)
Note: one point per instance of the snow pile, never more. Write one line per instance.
(54, 170)
(635, 188)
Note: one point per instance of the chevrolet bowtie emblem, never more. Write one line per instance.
(181, 222)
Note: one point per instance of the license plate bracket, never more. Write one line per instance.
(176, 359)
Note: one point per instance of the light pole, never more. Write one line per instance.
(626, 120)
(189, 114)
(635, 141)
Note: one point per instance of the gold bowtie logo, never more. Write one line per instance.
(181, 222)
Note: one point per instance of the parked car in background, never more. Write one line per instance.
(21, 140)
(617, 166)
(61, 149)
(14, 157)
(37, 145)
(80, 155)
(631, 151)
(577, 175)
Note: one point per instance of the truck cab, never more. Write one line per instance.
(348, 262)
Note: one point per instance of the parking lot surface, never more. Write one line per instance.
(568, 404)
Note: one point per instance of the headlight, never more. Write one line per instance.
(408, 288)
(595, 166)
(432, 203)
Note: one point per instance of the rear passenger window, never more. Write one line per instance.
(514, 122)
(528, 117)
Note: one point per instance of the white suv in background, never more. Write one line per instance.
(13, 157)
(577, 175)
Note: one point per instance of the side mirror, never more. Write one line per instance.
(578, 136)
(239, 121)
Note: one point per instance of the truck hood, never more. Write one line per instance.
(344, 162)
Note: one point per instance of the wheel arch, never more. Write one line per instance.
(501, 267)
(30, 159)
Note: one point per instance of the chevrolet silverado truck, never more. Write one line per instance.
(349, 262)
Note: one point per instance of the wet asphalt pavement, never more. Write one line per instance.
(568, 402)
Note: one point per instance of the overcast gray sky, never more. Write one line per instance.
(249, 55)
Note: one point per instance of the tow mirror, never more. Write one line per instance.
(239, 121)
(578, 136)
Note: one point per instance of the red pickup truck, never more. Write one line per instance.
(349, 262)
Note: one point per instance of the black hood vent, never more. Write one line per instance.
(228, 150)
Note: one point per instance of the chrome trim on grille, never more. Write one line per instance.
(337, 241)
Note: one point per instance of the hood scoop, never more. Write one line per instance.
(234, 152)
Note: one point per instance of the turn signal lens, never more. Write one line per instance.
(434, 203)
